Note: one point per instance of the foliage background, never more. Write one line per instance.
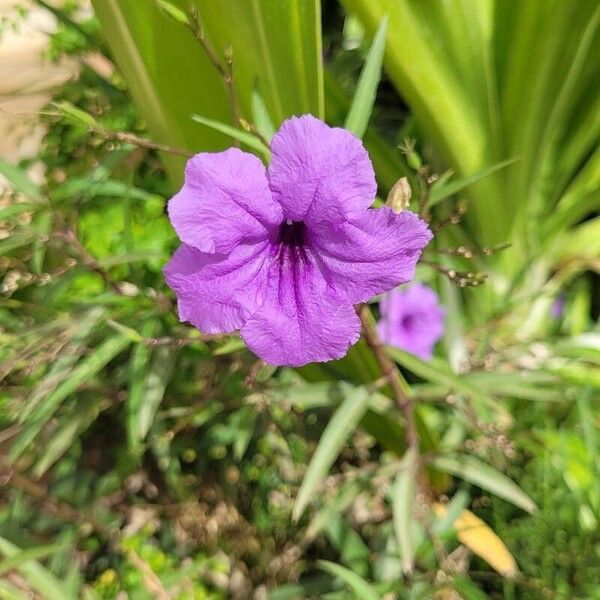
(141, 460)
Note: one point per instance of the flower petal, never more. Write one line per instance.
(319, 173)
(412, 319)
(225, 199)
(302, 320)
(371, 254)
(216, 292)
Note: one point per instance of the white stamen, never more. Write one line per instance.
(289, 222)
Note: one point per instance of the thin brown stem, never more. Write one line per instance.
(391, 372)
(181, 341)
(88, 260)
(225, 71)
(460, 278)
(230, 85)
(130, 138)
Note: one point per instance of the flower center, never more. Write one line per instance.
(411, 323)
(292, 234)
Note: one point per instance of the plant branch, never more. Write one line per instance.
(130, 138)
(390, 371)
(226, 72)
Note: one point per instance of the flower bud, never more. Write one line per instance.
(399, 196)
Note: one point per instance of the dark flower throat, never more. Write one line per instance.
(292, 234)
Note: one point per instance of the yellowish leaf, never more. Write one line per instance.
(482, 541)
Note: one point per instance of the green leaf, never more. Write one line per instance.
(342, 424)
(156, 383)
(42, 225)
(89, 188)
(232, 344)
(260, 115)
(78, 333)
(139, 363)
(478, 473)
(361, 588)
(278, 43)
(246, 138)
(70, 427)
(457, 504)
(16, 560)
(403, 498)
(40, 578)
(20, 181)
(333, 507)
(388, 162)
(16, 209)
(467, 589)
(442, 190)
(10, 592)
(172, 11)
(353, 551)
(437, 371)
(75, 115)
(87, 368)
(366, 89)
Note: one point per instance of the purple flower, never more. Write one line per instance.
(558, 307)
(412, 319)
(283, 254)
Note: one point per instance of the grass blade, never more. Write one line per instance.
(403, 497)
(343, 422)
(40, 578)
(19, 180)
(87, 368)
(237, 134)
(260, 114)
(364, 97)
(361, 588)
(443, 191)
(478, 473)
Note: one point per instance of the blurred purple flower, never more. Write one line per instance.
(284, 254)
(412, 319)
(558, 307)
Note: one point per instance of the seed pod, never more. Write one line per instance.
(399, 196)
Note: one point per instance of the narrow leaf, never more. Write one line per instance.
(75, 115)
(86, 369)
(342, 424)
(403, 497)
(364, 96)
(441, 190)
(361, 588)
(478, 473)
(14, 561)
(172, 11)
(40, 578)
(70, 426)
(158, 378)
(260, 115)
(16, 209)
(64, 362)
(20, 181)
(238, 134)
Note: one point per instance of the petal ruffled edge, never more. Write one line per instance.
(371, 254)
(319, 173)
(217, 293)
(225, 199)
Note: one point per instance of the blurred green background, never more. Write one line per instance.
(141, 460)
